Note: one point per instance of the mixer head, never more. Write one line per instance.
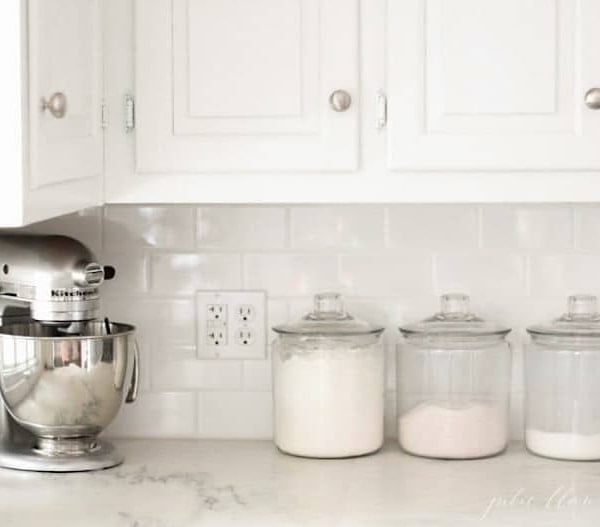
(57, 276)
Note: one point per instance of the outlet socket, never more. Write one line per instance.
(216, 335)
(245, 313)
(245, 336)
(216, 312)
(231, 324)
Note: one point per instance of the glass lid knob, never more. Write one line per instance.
(582, 306)
(328, 306)
(455, 305)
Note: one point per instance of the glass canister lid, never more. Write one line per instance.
(581, 320)
(328, 318)
(454, 320)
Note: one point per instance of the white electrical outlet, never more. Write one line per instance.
(244, 336)
(245, 313)
(216, 335)
(217, 312)
(232, 324)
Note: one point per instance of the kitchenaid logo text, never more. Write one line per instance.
(563, 499)
(73, 293)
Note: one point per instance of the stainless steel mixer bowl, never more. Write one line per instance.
(61, 385)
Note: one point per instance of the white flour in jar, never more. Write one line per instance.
(579, 447)
(464, 432)
(329, 402)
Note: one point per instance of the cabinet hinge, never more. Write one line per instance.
(381, 104)
(129, 113)
(104, 115)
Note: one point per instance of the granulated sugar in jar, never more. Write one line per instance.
(453, 383)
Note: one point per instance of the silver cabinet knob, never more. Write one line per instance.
(56, 105)
(592, 99)
(340, 100)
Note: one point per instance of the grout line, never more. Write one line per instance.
(165, 297)
(251, 250)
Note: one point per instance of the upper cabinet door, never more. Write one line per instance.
(65, 70)
(493, 84)
(245, 85)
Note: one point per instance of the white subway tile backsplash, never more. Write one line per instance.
(408, 309)
(527, 226)
(164, 323)
(286, 274)
(519, 312)
(385, 273)
(320, 227)
(517, 262)
(277, 313)
(184, 273)
(433, 226)
(373, 310)
(221, 375)
(235, 415)
(166, 414)
(300, 306)
(241, 227)
(132, 273)
(556, 274)
(480, 273)
(257, 375)
(587, 227)
(167, 227)
(193, 374)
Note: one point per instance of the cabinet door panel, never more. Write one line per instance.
(65, 56)
(238, 85)
(483, 84)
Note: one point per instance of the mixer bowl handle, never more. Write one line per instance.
(135, 375)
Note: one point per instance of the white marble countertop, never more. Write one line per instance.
(249, 483)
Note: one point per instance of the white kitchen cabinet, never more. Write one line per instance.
(231, 85)
(492, 85)
(52, 160)
(485, 101)
(229, 102)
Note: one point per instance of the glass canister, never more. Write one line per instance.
(453, 384)
(562, 384)
(328, 383)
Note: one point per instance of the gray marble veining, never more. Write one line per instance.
(249, 483)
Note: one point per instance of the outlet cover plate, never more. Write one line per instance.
(231, 323)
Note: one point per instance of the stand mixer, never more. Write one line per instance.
(62, 371)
